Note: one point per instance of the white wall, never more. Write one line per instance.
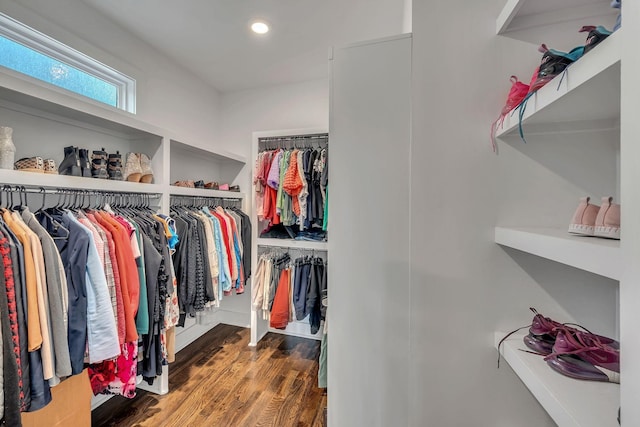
(369, 244)
(168, 96)
(463, 286)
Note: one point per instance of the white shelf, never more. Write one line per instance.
(20, 93)
(207, 153)
(204, 192)
(33, 179)
(569, 99)
(555, 23)
(296, 244)
(596, 255)
(570, 402)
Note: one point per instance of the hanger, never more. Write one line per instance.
(56, 225)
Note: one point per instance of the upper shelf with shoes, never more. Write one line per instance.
(568, 102)
(553, 22)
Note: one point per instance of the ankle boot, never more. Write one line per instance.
(99, 164)
(115, 166)
(71, 163)
(84, 163)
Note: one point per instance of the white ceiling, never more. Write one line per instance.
(212, 37)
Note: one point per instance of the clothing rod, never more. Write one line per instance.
(185, 197)
(289, 248)
(294, 137)
(61, 190)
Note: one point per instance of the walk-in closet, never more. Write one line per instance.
(339, 213)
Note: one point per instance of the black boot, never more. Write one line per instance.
(99, 164)
(71, 163)
(115, 166)
(85, 165)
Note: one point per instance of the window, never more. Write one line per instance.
(34, 54)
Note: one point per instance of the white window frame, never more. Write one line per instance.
(39, 42)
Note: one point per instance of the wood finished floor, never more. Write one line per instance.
(220, 381)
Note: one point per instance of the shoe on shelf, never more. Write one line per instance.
(132, 168)
(70, 165)
(145, 166)
(543, 332)
(99, 159)
(608, 220)
(617, 4)
(199, 184)
(30, 164)
(553, 62)
(187, 184)
(235, 188)
(517, 93)
(584, 218)
(595, 36)
(224, 187)
(85, 165)
(584, 356)
(50, 166)
(212, 185)
(114, 166)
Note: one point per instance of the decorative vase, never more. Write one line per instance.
(7, 149)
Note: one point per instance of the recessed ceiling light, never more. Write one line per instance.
(259, 27)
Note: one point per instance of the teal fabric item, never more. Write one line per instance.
(322, 369)
(284, 165)
(142, 317)
(325, 218)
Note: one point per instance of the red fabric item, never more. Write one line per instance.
(5, 251)
(280, 310)
(292, 182)
(125, 268)
(225, 237)
(270, 196)
(101, 374)
(122, 328)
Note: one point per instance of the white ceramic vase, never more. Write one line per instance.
(7, 149)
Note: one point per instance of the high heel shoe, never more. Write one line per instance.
(85, 165)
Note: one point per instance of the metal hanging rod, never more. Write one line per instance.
(297, 141)
(294, 137)
(290, 249)
(186, 201)
(61, 190)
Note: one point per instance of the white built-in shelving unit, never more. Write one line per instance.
(45, 120)
(259, 326)
(575, 131)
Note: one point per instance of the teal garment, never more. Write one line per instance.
(284, 165)
(322, 369)
(325, 219)
(142, 317)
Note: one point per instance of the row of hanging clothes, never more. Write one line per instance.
(213, 254)
(88, 283)
(291, 180)
(287, 289)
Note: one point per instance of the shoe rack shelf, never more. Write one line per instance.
(13, 177)
(566, 102)
(204, 192)
(523, 19)
(591, 404)
(47, 119)
(596, 255)
(574, 130)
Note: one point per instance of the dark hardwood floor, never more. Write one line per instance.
(220, 381)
